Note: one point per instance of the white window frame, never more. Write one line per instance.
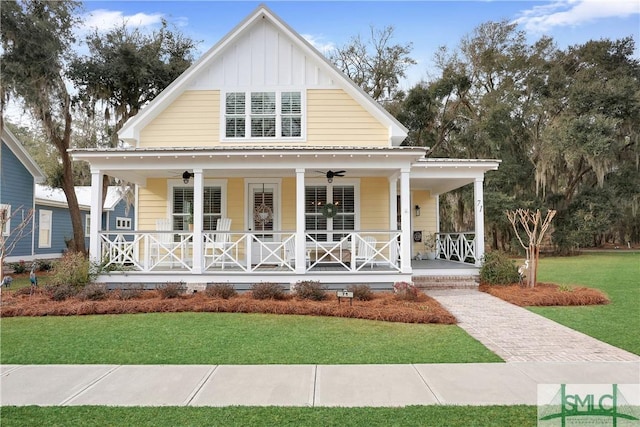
(6, 230)
(355, 183)
(41, 229)
(279, 115)
(87, 225)
(222, 183)
(123, 223)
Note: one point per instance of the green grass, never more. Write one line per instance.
(615, 273)
(230, 338)
(450, 416)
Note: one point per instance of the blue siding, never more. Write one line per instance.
(61, 229)
(16, 189)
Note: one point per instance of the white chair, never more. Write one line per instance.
(217, 244)
(290, 253)
(163, 248)
(365, 251)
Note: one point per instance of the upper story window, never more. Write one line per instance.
(263, 115)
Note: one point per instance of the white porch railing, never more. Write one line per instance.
(248, 252)
(459, 247)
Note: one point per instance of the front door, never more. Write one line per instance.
(263, 218)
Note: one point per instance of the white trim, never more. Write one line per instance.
(23, 156)
(277, 201)
(278, 114)
(41, 221)
(222, 183)
(123, 219)
(355, 182)
(131, 130)
(87, 225)
(6, 228)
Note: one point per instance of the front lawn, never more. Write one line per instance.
(450, 416)
(615, 273)
(231, 338)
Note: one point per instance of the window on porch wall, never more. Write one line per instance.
(182, 213)
(343, 196)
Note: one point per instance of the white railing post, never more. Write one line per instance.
(405, 211)
(479, 219)
(300, 237)
(96, 216)
(198, 209)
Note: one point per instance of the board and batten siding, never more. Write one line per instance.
(16, 190)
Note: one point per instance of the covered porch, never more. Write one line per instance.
(274, 201)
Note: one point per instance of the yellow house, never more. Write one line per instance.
(263, 162)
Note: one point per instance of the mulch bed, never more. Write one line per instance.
(384, 306)
(546, 294)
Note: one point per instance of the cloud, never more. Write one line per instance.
(104, 20)
(573, 13)
(316, 42)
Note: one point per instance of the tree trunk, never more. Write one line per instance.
(72, 201)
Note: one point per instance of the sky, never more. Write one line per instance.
(426, 24)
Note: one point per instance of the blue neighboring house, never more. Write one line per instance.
(48, 230)
(19, 175)
(53, 222)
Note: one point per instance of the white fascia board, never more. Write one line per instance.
(21, 153)
(130, 132)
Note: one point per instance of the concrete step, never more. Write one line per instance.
(446, 282)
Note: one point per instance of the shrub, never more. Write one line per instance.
(267, 291)
(63, 291)
(130, 293)
(19, 267)
(405, 291)
(93, 292)
(172, 290)
(361, 292)
(72, 269)
(498, 269)
(308, 289)
(221, 290)
(45, 265)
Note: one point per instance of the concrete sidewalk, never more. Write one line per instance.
(299, 385)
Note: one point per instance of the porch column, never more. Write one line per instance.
(300, 239)
(405, 212)
(198, 209)
(96, 217)
(478, 197)
(393, 202)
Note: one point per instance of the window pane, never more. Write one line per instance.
(263, 103)
(291, 126)
(235, 103)
(315, 197)
(263, 127)
(291, 103)
(235, 127)
(344, 198)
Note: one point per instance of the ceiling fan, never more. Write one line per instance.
(331, 174)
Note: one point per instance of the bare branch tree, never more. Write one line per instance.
(535, 228)
(10, 236)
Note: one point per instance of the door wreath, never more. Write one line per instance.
(329, 210)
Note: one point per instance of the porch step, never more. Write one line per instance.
(446, 282)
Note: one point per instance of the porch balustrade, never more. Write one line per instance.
(165, 251)
(459, 247)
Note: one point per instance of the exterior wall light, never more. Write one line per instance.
(186, 176)
(417, 208)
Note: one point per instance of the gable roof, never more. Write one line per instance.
(21, 153)
(131, 130)
(55, 196)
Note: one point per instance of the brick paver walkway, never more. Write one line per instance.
(518, 335)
